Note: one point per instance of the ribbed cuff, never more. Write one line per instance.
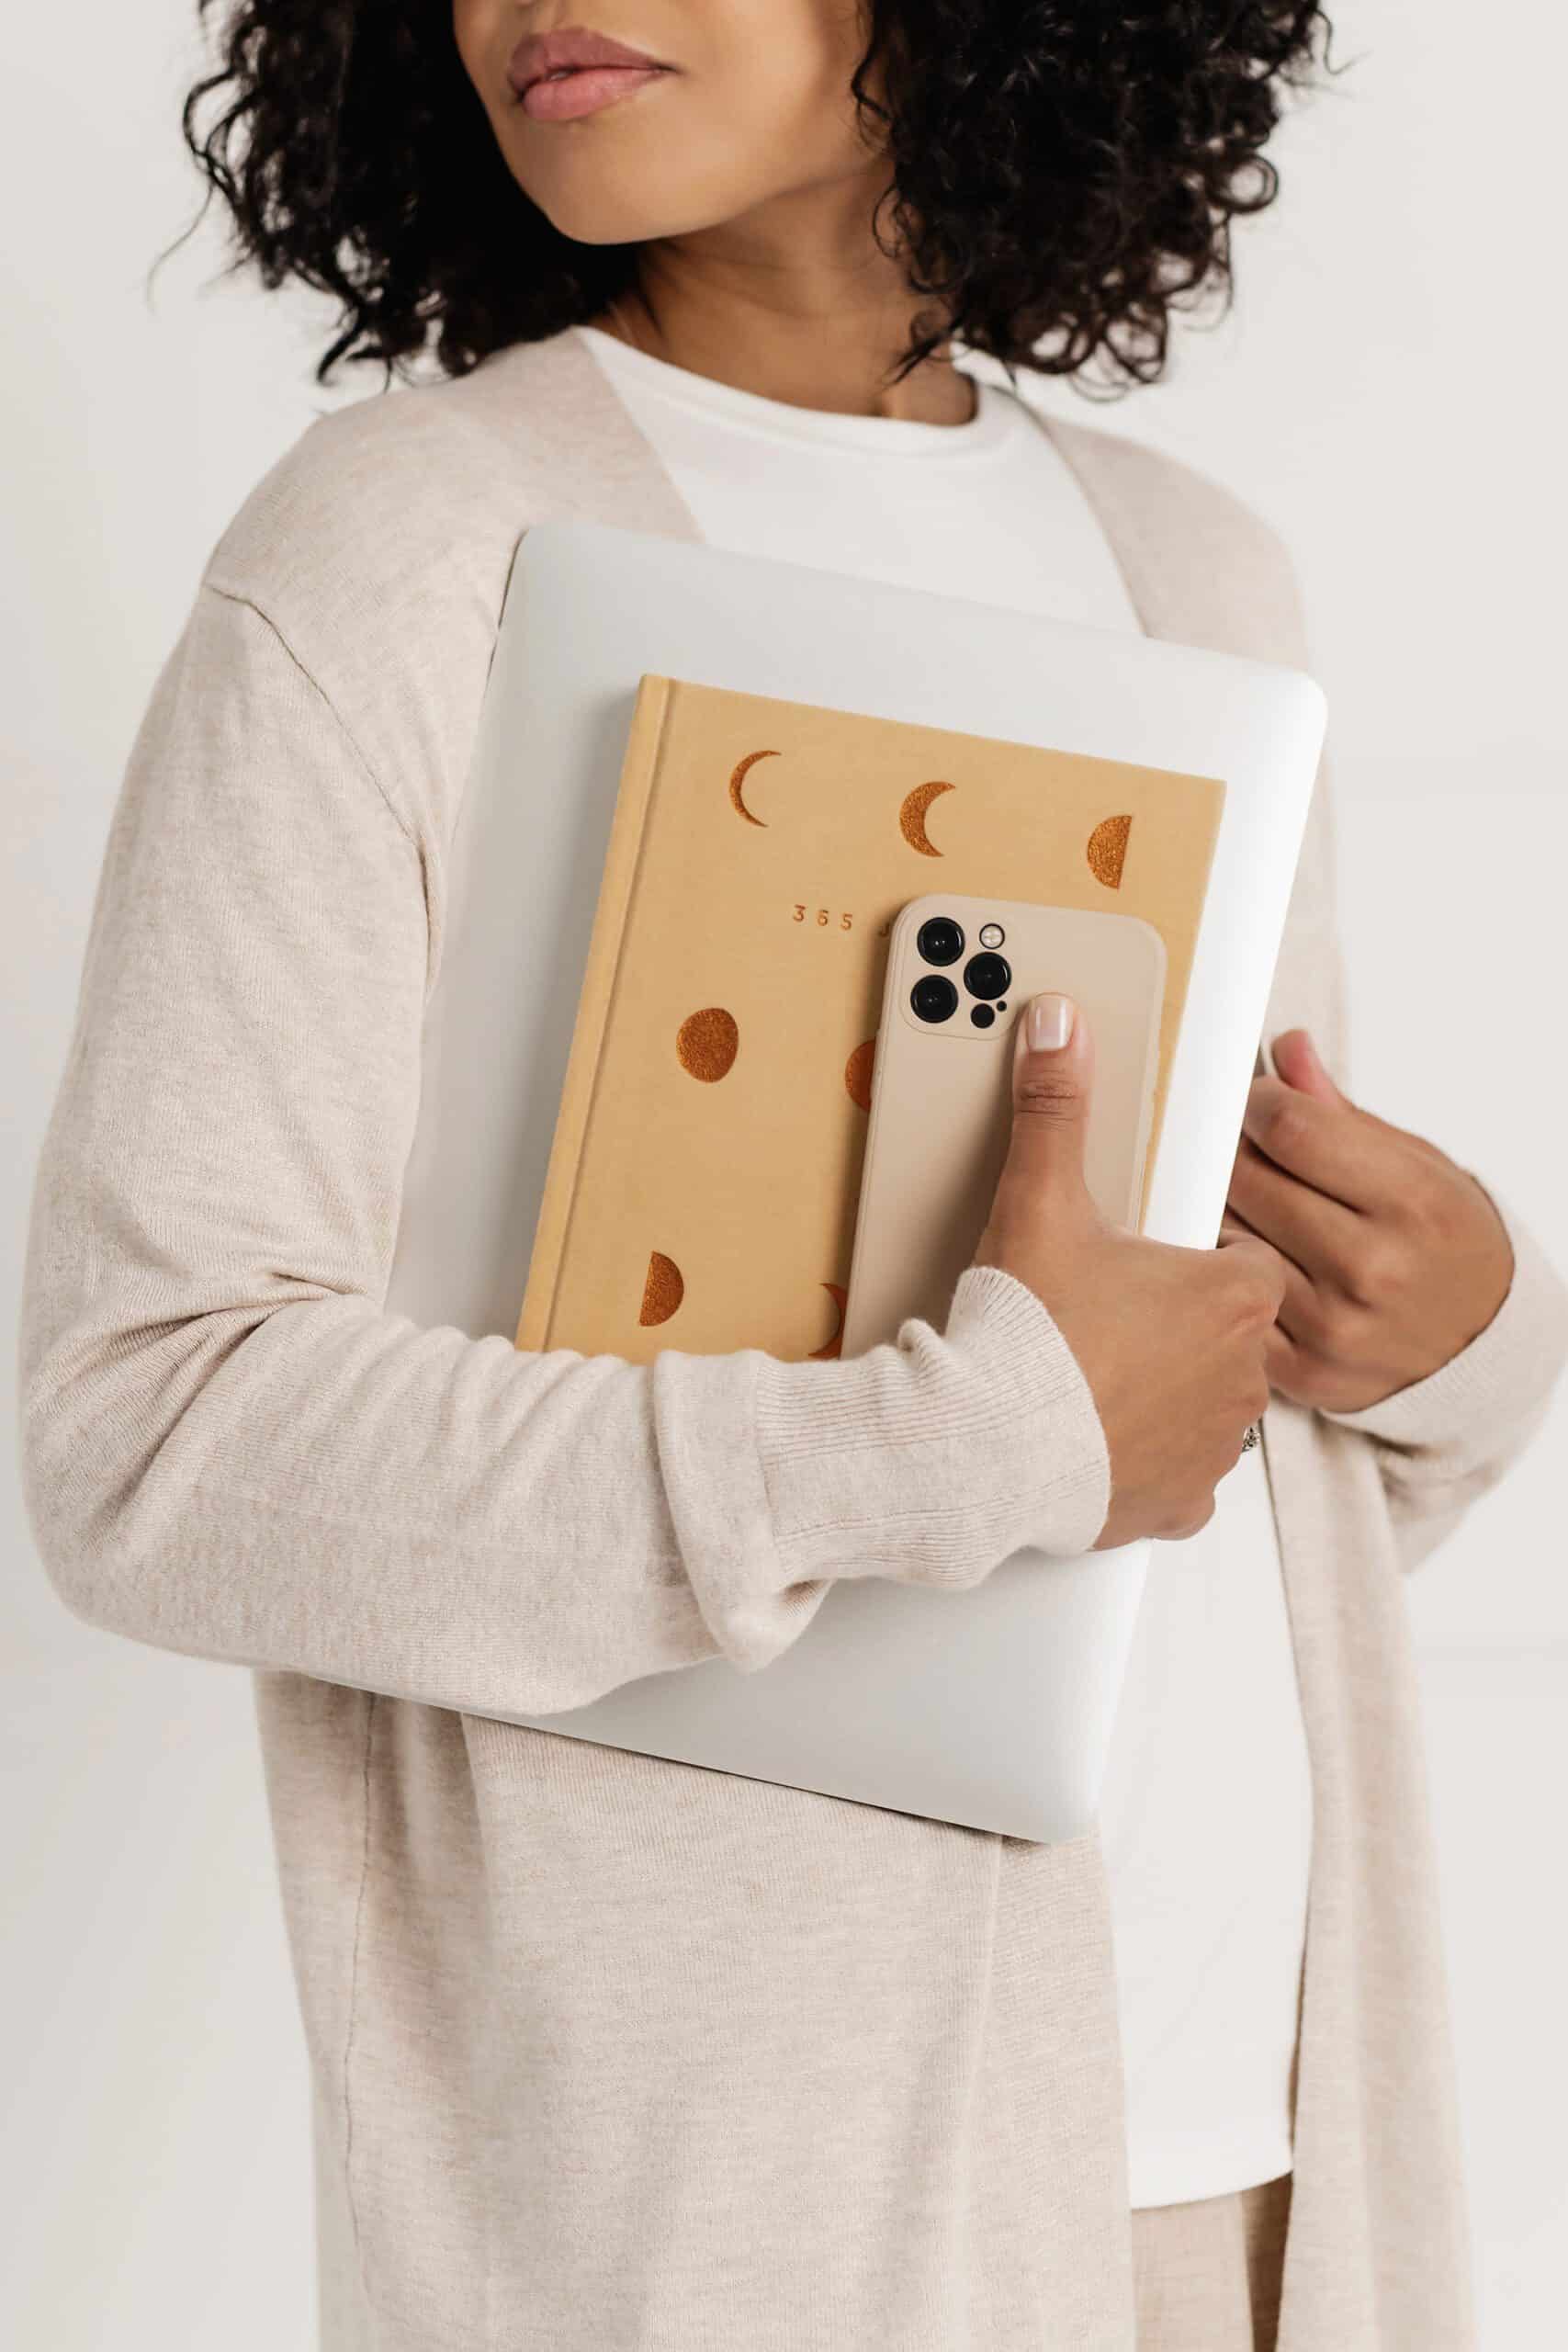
(932, 1458)
(1464, 1409)
(929, 1459)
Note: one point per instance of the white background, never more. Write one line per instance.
(1388, 391)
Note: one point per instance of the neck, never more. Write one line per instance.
(822, 338)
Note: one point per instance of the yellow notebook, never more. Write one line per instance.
(705, 1173)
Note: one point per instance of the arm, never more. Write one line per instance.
(1444, 1441)
(1212, 572)
(229, 1449)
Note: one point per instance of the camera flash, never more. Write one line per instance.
(991, 935)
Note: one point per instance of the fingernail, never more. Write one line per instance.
(1050, 1020)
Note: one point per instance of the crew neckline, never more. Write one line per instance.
(776, 420)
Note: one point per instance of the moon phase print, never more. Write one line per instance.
(705, 1166)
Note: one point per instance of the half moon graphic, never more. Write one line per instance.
(663, 1290)
(707, 1043)
(832, 1347)
(857, 1073)
(738, 777)
(1107, 850)
(912, 817)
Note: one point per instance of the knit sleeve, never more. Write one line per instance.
(1446, 1440)
(232, 1449)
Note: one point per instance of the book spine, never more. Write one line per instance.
(640, 767)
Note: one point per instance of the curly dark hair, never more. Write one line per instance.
(1063, 173)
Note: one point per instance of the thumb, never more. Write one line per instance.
(1051, 1072)
(1299, 1063)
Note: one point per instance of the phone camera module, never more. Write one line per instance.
(987, 976)
(940, 940)
(933, 998)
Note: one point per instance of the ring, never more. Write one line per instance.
(1251, 1437)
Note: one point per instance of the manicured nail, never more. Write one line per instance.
(1050, 1019)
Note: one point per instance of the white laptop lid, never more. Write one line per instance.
(994, 1707)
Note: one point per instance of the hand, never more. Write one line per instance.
(1396, 1258)
(1170, 1340)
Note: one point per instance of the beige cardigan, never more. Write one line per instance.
(611, 2053)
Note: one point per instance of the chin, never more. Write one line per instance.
(604, 214)
(604, 185)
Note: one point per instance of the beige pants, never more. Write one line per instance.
(1208, 2274)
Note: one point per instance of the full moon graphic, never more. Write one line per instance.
(663, 1290)
(707, 1043)
(738, 779)
(1107, 850)
(912, 817)
(832, 1347)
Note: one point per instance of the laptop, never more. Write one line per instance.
(991, 1708)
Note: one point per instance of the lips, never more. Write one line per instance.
(585, 90)
(573, 50)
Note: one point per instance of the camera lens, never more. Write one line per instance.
(940, 940)
(988, 975)
(933, 999)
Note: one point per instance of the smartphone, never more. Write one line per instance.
(960, 972)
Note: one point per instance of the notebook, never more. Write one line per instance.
(992, 1708)
(705, 1170)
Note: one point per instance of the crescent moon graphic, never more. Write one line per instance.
(663, 1290)
(857, 1073)
(832, 1347)
(738, 777)
(1107, 850)
(912, 817)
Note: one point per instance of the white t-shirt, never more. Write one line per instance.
(1207, 1815)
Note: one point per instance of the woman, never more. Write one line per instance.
(610, 2052)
